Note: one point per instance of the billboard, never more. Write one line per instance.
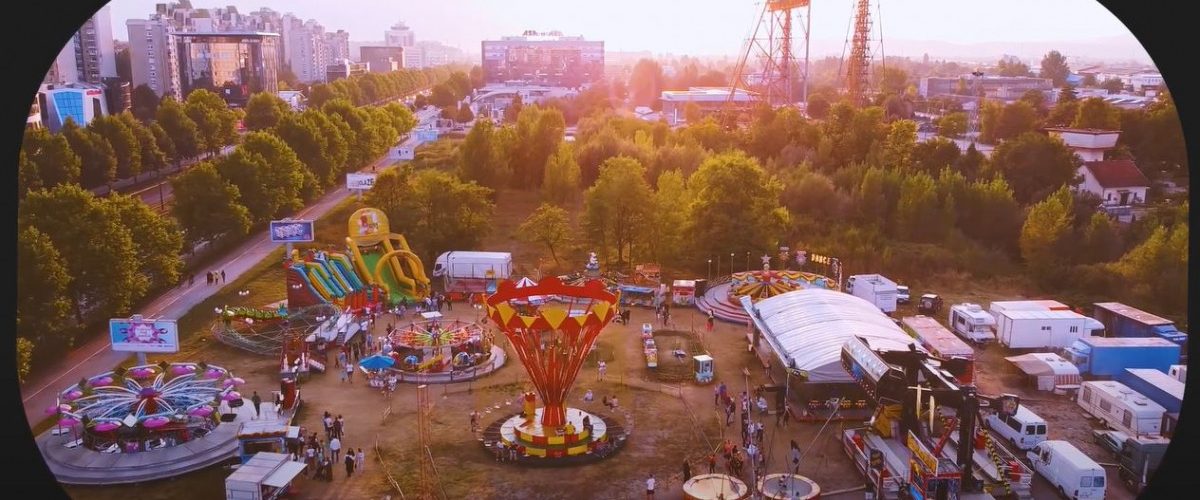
(292, 231)
(360, 181)
(138, 334)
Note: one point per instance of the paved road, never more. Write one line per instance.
(95, 356)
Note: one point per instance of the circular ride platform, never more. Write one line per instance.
(788, 486)
(539, 446)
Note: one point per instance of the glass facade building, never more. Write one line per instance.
(558, 61)
(234, 65)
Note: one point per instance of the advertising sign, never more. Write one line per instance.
(138, 334)
(921, 452)
(292, 231)
(360, 181)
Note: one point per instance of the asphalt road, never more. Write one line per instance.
(96, 357)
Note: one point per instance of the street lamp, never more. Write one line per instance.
(718, 264)
(747, 261)
(730, 262)
(709, 269)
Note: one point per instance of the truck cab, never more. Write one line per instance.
(1139, 459)
(1072, 473)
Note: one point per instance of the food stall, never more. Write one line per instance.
(632, 295)
(683, 292)
(266, 476)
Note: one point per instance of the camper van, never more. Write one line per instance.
(1121, 408)
(1073, 474)
(973, 323)
(1024, 429)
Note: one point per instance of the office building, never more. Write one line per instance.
(997, 87)
(543, 58)
(399, 35)
(78, 102)
(118, 95)
(232, 64)
(381, 59)
(344, 69)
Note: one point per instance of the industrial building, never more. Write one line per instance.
(543, 58)
(1004, 88)
(708, 100)
(805, 330)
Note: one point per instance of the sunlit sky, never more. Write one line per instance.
(695, 27)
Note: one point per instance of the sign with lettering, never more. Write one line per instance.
(921, 452)
(292, 231)
(138, 334)
(360, 181)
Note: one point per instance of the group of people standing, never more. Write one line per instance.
(320, 457)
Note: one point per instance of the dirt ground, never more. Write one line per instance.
(669, 422)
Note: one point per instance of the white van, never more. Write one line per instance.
(1075, 475)
(1024, 429)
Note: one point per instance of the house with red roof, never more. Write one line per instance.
(1116, 182)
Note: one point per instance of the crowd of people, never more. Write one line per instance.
(321, 455)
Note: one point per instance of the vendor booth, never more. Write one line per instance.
(1048, 371)
(265, 476)
(632, 295)
(683, 292)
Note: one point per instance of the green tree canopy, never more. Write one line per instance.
(152, 156)
(1012, 67)
(1035, 165)
(1046, 237)
(124, 143)
(1055, 67)
(180, 128)
(98, 162)
(264, 110)
(216, 124)
(646, 84)
(668, 218)
(480, 158)
(1155, 272)
(317, 142)
(144, 102)
(549, 225)
(610, 219)
(207, 206)
(561, 184)
(157, 243)
(935, 154)
(735, 207)
(952, 125)
(43, 307)
(52, 157)
(1095, 112)
(438, 211)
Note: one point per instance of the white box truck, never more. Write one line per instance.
(471, 272)
(971, 322)
(1040, 329)
(874, 288)
(1121, 408)
(1073, 474)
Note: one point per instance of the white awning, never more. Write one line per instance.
(808, 327)
(284, 474)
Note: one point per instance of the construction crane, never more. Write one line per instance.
(891, 378)
(773, 46)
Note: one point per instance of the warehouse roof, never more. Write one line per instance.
(809, 327)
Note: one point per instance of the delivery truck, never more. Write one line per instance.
(874, 288)
(1070, 471)
(464, 273)
(1041, 329)
(1121, 320)
(1155, 385)
(1107, 357)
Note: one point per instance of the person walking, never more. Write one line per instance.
(350, 373)
(712, 463)
(340, 424)
(257, 404)
(222, 276)
(449, 304)
(650, 487)
(328, 421)
(717, 396)
(360, 461)
(349, 464)
(337, 429)
(602, 367)
(208, 278)
(310, 459)
(335, 446)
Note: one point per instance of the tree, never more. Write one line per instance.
(1045, 237)
(1101, 240)
(442, 95)
(287, 78)
(43, 307)
(898, 148)
(952, 125)
(215, 122)
(207, 206)
(609, 218)
(97, 249)
(538, 134)
(668, 218)
(1012, 67)
(51, 158)
(548, 225)
(98, 162)
(1035, 165)
(264, 110)
(479, 157)
(24, 358)
(292, 182)
(126, 149)
(935, 154)
(1113, 85)
(892, 80)
(685, 158)
(401, 118)
(1036, 99)
(124, 67)
(477, 77)
(152, 156)
(464, 113)
(818, 107)
(27, 175)
(1156, 270)
(438, 211)
(157, 241)
(317, 143)
(163, 142)
(144, 102)
(971, 163)
(561, 182)
(1011, 121)
(646, 84)
(1054, 67)
(990, 215)
(320, 94)
(917, 211)
(182, 131)
(1094, 112)
(725, 220)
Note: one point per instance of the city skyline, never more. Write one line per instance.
(716, 28)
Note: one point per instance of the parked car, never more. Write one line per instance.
(901, 294)
(929, 304)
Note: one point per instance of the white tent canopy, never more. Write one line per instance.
(1050, 370)
(808, 327)
(532, 299)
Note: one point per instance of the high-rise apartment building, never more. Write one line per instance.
(399, 35)
(89, 56)
(152, 56)
(337, 45)
(307, 52)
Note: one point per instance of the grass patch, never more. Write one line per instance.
(669, 368)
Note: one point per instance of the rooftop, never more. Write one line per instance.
(1117, 173)
(707, 94)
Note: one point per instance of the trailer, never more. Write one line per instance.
(972, 323)
(874, 288)
(1121, 408)
(1121, 320)
(1027, 305)
(940, 342)
(464, 273)
(1155, 385)
(266, 476)
(1040, 329)
(1179, 372)
(1107, 357)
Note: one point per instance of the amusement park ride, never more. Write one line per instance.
(955, 466)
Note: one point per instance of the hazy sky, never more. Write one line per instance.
(698, 27)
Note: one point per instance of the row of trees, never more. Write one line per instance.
(374, 88)
(121, 146)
